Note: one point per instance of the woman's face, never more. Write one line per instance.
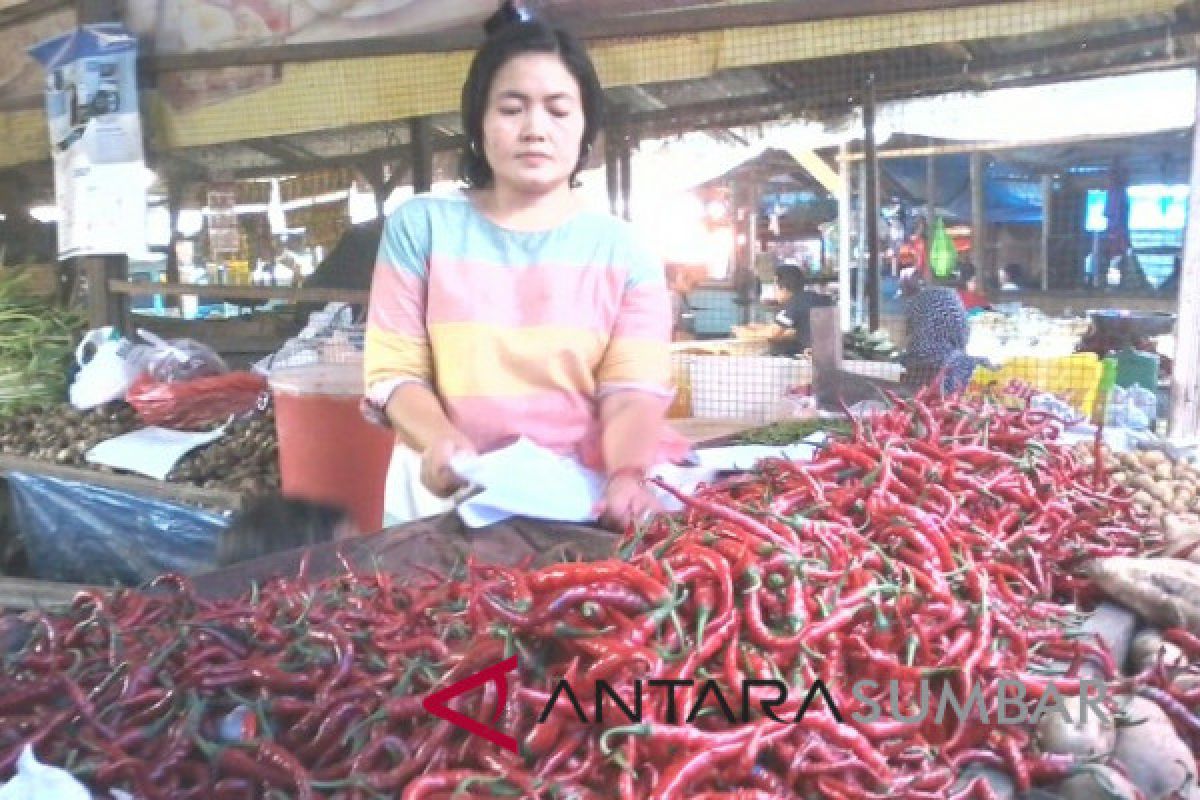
(533, 124)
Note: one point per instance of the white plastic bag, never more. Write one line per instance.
(106, 373)
(36, 781)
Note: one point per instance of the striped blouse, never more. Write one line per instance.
(518, 333)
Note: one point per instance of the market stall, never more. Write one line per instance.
(936, 545)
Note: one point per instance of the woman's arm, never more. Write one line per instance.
(631, 433)
(418, 418)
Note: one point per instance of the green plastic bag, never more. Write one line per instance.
(943, 258)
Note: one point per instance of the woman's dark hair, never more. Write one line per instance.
(512, 32)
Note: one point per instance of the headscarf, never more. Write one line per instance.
(937, 337)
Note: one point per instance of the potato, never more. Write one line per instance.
(1152, 458)
(1097, 781)
(1120, 477)
(1154, 757)
(1143, 482)
(1143, 499)
(1163, 471)
(1079, 731)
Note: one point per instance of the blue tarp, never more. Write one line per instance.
(1009, 197)
(80, 533)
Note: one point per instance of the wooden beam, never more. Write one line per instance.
(1184, 420)
(394, 153)
(22, 594)
(978, 223)
(645, 24)
(988, 147)
(15, 14)
(134, 484)
(281, 150)
(237, 292)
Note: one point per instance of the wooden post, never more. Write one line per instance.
(626, 164)
(1047, 226)
(1183, 425)
(930, 192)
(422, 154)
(826, 343)
(844, 241)
(979, 225)
(104, 308)
(612, 172)
(872, 206)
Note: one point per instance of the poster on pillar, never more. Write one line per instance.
(96, 140)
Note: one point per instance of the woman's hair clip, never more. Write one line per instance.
(510, 13)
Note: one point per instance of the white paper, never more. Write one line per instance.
(527, 480)
(36, 781)
(152, 451)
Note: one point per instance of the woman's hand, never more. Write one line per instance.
(436, 472)
(627, 498)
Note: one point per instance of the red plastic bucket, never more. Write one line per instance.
(327, 451)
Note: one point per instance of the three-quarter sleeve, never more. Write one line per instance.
(397, 349)
(638, 355)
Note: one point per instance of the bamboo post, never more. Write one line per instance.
(1183, 425)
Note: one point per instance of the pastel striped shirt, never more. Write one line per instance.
(518, 333)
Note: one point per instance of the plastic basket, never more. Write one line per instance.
(743, 387)
(1075, 379)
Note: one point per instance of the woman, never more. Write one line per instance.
(508, 309)
(937, 340)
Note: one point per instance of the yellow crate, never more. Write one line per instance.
(1075, 379)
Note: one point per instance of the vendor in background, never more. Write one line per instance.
(792, 332)
(510, 309)
(937, 340)
(969, 292)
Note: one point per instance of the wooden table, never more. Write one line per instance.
(699, 430)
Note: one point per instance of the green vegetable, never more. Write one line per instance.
(36, 346)
(791, 431)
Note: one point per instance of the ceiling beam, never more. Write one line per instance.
(387, 154)
(281, 150)
(660, 23)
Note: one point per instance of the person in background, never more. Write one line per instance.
(273, 523)
(938, 332)
(1010, 278)
(792, 332)
(969, 292)
(510, 309)
(918, 242)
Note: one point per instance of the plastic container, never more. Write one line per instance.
(743, 387)
(328, 452)
(1135, 368)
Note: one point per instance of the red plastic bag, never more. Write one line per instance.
(198, 403)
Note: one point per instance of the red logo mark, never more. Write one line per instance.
(436, 703)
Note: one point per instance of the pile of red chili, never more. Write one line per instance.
(937, 544)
